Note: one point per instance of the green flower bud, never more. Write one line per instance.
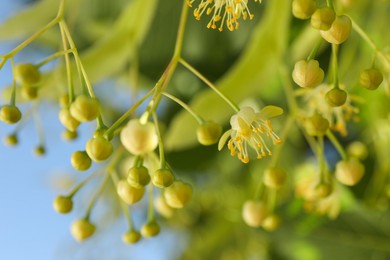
(323, 190)
(178, 194)
(208, 133)
(323, 18)
(11, 140)
(339, 31)
(82, 229)
(128, 193)
(80, 160)
(150, 229)
(40, 150)
(358, 150)
(85, 108)
(254, 213)
(99, 148)
(69, 135)
(138, 177)
(139, 138)
(349, 172)
(274, 178)
(27, 74)
(64, 100)
(371, 78)
(336, 97)
(63, 204)
(131, 237)
(163, 178)
(271, 222)
(29, 92)
(307, 74)
(10, 114)
(67, 120)
(303, 9)
(316, 125)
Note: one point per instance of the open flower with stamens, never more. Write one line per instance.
(249, 130)
(223, 11)
(337, 116)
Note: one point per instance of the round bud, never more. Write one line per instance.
(208, 133)
(139, 138)
(82, 229)
(178, 194)
(99, 148)
(307, 74)
(358, 150)
(11, 140)
(371, 78)
(69, 135)
(271, 222)
(323, 18)
(131, 237)
(63, 204)
(254, 213)
(10, 114)
(85, 108)
(303, 9)
(163, 178)
(27, 74)
(316, 125)
(128, 193)
(40, 150)
(150, 229)
(138, 177)
(349, 172)
(67, 120)
(274, 178)
(336, 97)
(162, 207)
(80, 160)
(29, 92)
(323, 190)
(339, 31)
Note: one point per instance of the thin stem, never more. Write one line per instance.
(314, 51)
(163, 163)
(336, 144)
(96, 195)
(53, 56)
(180, 32)
(81, 184)
(370, 42)
(211, 85)
(185, 106)
(151, 215)
(110, 131)
(67, 66)
(13, 95)
(320, 156)
(335, 48)
(329, 3)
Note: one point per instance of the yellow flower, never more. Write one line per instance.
(223, 11)
(249, 130)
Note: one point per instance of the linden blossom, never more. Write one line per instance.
(249, 128)
(232, 11)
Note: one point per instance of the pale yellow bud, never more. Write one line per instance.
(178, 194)
(323, 18)
(307, 74)
(303, 9)
(208, 133)
(81, 161)
(371, 78)
(27, 74)
(128, 193)
(10, 114)
(150, 229)
(63, 204)
(99, 148)
(254, 213)
(131, 237)
(139, 138)
(339, 31)
(85, 108)
(163, 178)
(274, 177)
(316, 125)
(67, 120)
(349, 172)
(82, 229)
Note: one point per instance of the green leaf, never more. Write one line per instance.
(257, 65)
(29, 20)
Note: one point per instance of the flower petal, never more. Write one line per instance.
(270, 111)
(223, 139)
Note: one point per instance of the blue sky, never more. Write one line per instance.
(29, 227)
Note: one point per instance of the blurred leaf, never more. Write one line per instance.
(255, 67)
(270, 111)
